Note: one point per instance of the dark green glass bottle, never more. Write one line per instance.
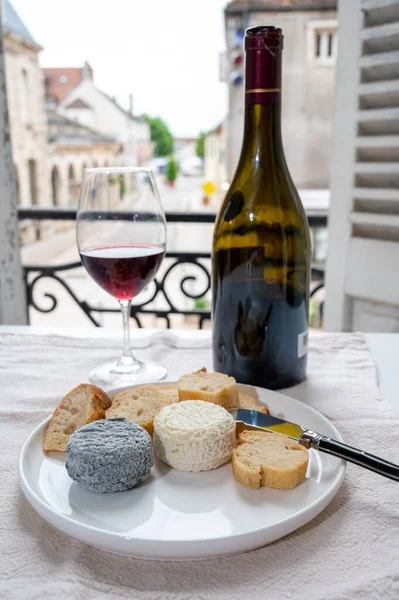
(261, 245)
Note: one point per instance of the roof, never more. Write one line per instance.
(279, 5)
(78, 103)
(53, 78)
(12, 22)
(125, 112)
(81, 133)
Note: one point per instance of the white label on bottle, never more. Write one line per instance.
(302, 344)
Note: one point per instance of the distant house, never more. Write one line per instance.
(94, 108)
(59, 82)
(309, 57)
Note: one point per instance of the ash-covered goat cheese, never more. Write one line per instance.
(112, 455)
(194, 435)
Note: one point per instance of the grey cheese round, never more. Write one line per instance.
(112, 455)
(194, 435)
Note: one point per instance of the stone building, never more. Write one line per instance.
(26, 110)
(309, 57)
(72, 148)
(49, 150)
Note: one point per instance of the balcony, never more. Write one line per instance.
(181, 289)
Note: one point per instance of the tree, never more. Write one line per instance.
(160, 135)
(171, 170)
(200, 146)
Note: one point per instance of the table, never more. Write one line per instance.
(349, 552)
(384, 348)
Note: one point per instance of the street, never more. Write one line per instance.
(185, 197)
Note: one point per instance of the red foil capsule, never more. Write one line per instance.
(263, 52)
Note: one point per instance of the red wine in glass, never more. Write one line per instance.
(123, 270)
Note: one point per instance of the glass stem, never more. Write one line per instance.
(127, 356)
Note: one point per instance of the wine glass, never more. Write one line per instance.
(121, 238)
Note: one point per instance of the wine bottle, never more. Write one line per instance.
(261, 244)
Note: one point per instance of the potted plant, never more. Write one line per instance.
(171, 171)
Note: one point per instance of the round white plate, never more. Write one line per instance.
(182, 516)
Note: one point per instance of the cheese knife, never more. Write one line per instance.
(252, 419)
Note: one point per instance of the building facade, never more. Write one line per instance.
(51, 150)
(309, 56)
(26, 110)
(216, 160)
(72, 148)
(93, 108)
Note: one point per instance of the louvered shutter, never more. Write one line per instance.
(362, 273)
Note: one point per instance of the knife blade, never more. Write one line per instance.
(258, 419)
(252, 419)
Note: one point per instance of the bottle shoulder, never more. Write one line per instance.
(253, 215)
(261, 203)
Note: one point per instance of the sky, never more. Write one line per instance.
(164, 52)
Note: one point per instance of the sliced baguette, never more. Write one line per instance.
(249, 403)
(269, 459)
(82, 405)
(139, 405)
(209, 387)
(169, 393)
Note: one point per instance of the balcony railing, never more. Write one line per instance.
(197, 261)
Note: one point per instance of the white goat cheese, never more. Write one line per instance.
(194, 435)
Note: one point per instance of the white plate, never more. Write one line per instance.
(181, 516)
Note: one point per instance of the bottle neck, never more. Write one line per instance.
(262, 126)
(262, 133)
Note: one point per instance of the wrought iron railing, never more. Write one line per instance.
(200, 261)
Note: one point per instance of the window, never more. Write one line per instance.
(72, 187)
(51, 103)
(325, 44)
(17, 190)
(63, 79)
(55, 186)
(322, 42)
(33, 182)
(23, 94)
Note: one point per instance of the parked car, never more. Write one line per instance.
(191, 166)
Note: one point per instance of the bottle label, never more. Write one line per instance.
(302, 344)
(259, 326)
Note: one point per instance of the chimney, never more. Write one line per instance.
(87, 71)
(131, 104)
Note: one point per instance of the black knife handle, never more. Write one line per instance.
(353, 455)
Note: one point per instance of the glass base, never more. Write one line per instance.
(115, 375)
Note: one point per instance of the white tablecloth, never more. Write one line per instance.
(350, 551)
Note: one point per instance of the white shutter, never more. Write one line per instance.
(362, 274)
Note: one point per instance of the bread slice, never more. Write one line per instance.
(140, 405)
(249, 403)
(209, 387)
(82, 405)
(169, 393)
(269, 459)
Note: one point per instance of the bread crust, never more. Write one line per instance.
(97, 404)
(189, 388)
